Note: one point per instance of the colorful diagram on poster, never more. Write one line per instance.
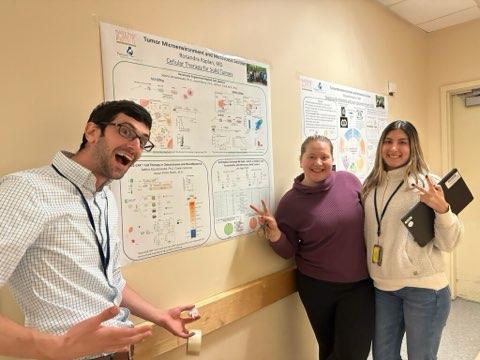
(352, 119)
(237, 183)
(352, 150)
(212, 134)
(165, 207)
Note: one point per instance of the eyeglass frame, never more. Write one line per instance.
(148, 145)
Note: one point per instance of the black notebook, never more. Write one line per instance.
(419, 220)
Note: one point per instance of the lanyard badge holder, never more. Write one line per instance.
(377, 252)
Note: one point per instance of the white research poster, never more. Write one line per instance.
(212, 135)
(352, 119)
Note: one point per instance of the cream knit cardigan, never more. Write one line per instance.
(404, 262)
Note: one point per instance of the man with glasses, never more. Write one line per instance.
(59, 247)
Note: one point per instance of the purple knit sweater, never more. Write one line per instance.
(323, 227)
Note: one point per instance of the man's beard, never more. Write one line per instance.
(105, 160)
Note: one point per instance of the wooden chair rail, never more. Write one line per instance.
(222, 309)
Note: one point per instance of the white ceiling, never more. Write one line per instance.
(431, 15)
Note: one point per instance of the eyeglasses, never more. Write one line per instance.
(128, 132)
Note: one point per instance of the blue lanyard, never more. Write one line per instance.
(105, 259)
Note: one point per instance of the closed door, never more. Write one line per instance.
(466, 157)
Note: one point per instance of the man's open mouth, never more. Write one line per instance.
(123, 158)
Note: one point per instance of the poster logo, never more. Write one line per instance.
(124, 37)
(319, 87)
(306, 84)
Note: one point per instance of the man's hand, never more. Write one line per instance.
(172, 321)
(91, 337)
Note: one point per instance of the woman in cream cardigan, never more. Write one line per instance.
(411, 287)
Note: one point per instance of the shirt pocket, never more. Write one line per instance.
(419, 257)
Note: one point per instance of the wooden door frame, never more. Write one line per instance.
(446, 93)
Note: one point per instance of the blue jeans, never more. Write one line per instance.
(421, 313)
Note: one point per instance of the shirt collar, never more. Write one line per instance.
(76, 173)
(396, 174)
(322, 186)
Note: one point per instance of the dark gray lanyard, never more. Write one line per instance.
(105, 259)
(380, 217)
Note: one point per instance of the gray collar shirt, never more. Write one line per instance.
(48, 250)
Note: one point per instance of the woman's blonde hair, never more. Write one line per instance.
(415, 166)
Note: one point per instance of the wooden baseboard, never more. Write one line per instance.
(222, 309)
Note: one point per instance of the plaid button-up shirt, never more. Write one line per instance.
(48, 251)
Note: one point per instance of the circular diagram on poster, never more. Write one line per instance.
(352, 151)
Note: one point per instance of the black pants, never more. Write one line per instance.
(341, 315)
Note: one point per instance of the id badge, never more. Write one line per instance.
(377, 255)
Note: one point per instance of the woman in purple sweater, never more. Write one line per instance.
(320, 222)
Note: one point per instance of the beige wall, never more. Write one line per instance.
(453, 55)
(465, 130)
(50, 68)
